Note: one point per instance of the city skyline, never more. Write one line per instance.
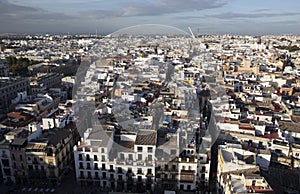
(204, 16)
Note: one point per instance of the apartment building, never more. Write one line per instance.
(30, 154)
(48, 157)
(9, 88)
(91, 156)
(6, 164)
(48, 80)
(128, 165)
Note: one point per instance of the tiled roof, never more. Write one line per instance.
(146, 137)
(289, 126)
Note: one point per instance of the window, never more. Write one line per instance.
(173, 167)
(139, 171)
(102, 150)
(166, 167)
(129, 170)
(96, 166)
(140, 157)
(41, 159)
(80, 156)
(95, 158)
(89, 174)
(80, 165)
(87, 157)
(150, 157)
(119, 170)
(13, 156)
(111, 167)
(203, 169)
(102, 158)
(150, 149)
(103, 166)
(29, 158)
(104, 175)
(202, 176)
(149, 171)
(140, 149)
(88, 165)
(120, 177)
(189, 187)
(130, 157)
(181, 187)
(122, 156)
(21, 157)
(96, 174)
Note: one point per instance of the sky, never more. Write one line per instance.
(255, 17)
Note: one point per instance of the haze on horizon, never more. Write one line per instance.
(254, 17)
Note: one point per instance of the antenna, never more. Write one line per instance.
(193, 36)
(96, 32)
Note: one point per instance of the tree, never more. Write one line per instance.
(19, 66)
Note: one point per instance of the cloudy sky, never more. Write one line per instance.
(253, 17)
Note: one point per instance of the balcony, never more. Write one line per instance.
(130, 174)
(149, 175)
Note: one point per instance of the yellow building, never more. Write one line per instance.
(49, 156)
